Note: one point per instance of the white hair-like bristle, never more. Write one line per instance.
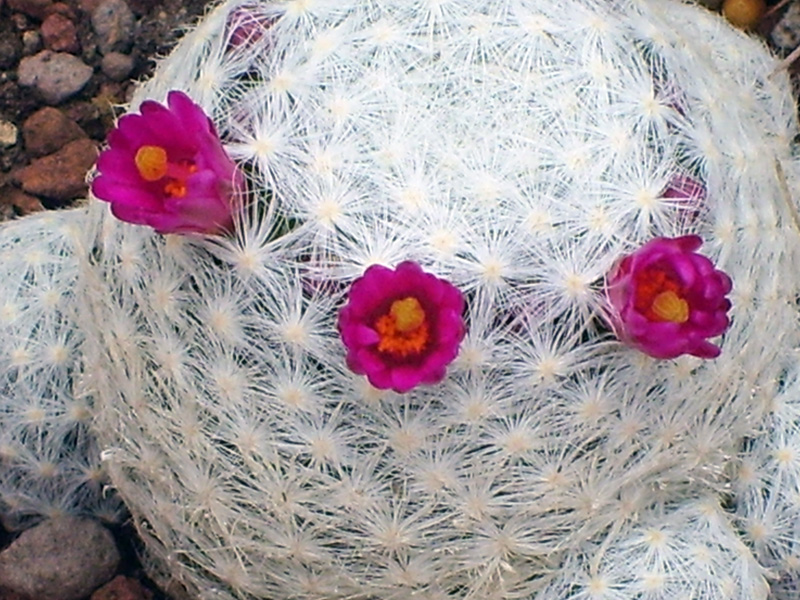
(516, 148)
(49, 460)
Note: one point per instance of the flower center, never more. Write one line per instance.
(151, 161)
(403, 330)
(668, 306)
(658, 297)
(153, 164)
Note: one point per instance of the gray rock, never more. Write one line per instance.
(8, 133)
(114, 24)
(117, 65)
(61, 559)
(56, 75)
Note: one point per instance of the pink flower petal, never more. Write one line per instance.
(675, 265)
(405, 378)
(105, 187)
(396, 358)
(380, 378)
(200, 188)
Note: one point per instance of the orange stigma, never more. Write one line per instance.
(658, 297)
(151, 162)
(403, 330)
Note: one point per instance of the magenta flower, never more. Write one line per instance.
(667, 300)
(401, 327)
(166, 168)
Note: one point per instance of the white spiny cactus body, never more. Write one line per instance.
(517, 149)
(767, 486)
(49, 461)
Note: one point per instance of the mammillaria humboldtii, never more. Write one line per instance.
(49, 459)
(517, 150)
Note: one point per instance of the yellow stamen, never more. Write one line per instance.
(151, 162)
(671, 307)
(403, 330)
(407, 313)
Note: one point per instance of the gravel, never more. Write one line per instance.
(80, 59)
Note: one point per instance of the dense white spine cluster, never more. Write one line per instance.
(767, 486)
(516, 148)
(49, 461)
(685, 551)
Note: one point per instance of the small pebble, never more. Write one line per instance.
(61, 559)
(114, 23)
(56, 75)
(117, 66)
(60, 176)
(60, 34)
(48, 130)
(31, 42)
(8, 133)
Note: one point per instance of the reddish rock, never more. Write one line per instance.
(25, 204)
(48, 130)
(63, 9)
(38, 9)
(60, 34)
(122, 588)
(60, 176)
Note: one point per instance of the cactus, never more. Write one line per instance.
(517, 150)
(49, 459)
